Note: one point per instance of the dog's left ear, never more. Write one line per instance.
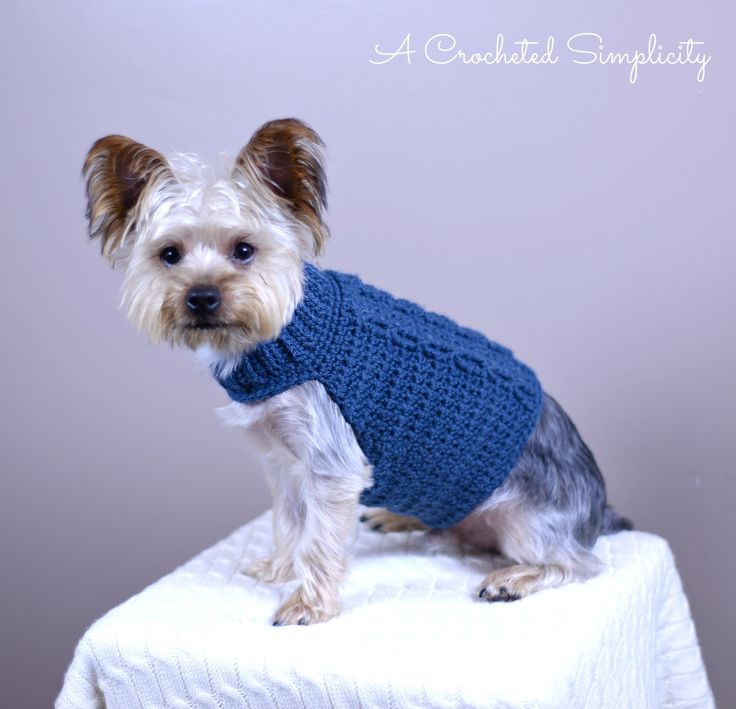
(286, 157)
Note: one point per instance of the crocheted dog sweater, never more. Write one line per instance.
(441, 412)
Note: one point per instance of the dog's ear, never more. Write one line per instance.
(286, 157)
(117, 170)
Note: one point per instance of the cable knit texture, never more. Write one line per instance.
(441, 412)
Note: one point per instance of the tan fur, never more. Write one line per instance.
(286, 157)
(155, 295)
(117, 170)
(138, 204)
(520, 580)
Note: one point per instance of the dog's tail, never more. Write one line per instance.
(613, 522)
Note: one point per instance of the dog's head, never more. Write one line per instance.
(210, 260)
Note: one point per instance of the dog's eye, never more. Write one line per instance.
(243, 252)
(170, 256)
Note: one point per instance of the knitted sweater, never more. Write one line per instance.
(441, 412)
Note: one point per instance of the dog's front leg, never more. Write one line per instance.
(318, 474)
(328, 509)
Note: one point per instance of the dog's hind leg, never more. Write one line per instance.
(546, 516)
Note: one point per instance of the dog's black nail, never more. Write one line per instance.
(377, 527)
(363, 518)
(503, 591)
(504, 598)
(302, 621)
(276, 622)
(482, 592)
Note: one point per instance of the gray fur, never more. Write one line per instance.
(547, 514)
(558, 470)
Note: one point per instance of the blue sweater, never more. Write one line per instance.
(441, 412)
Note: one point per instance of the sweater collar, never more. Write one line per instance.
(294, 356)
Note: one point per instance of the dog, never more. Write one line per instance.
(352, 395)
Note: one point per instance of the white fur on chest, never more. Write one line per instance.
(301, 428)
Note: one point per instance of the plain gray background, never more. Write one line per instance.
(584, 222)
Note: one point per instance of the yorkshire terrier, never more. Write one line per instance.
(354, 396)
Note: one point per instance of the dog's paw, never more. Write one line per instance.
(521, 580)
(297, 611)
(500, 587)
(382, 520)
(271, 570)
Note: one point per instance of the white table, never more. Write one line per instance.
(413, 634)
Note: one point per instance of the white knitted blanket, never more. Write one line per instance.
(413, 634)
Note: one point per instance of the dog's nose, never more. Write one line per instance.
(203, 300)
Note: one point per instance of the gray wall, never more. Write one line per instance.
(585, 222)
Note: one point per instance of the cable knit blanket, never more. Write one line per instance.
(412, 634)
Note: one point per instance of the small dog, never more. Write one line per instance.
(354, 396)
